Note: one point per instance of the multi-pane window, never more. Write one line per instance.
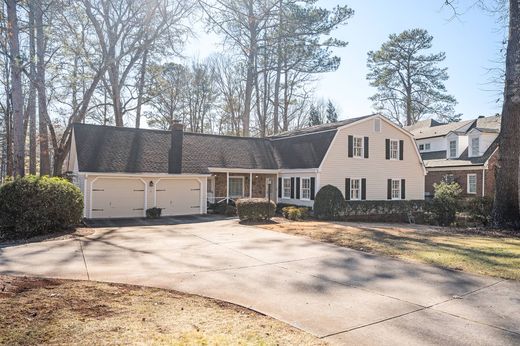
(306, 188)
(396, 189)
(472, 183)
(286, 188)
(236, 187)
(449, 178)
(394, 150)
(475, 147)
(355, 189)
(453, 148)
(424, 147)
(358, 147)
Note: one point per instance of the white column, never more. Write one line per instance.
(250, 185)
(227, 187)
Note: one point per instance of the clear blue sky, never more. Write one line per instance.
(471, 43)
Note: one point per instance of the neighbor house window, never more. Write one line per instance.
(475, 147)
(286, 188)
(306, 188)
(427, 146)
(358, 146)
(236, 187)
(355, 189)
(453, 148)
(472, 183)
(449, 178)
(394, 149)
(396, 189)
(421, 147)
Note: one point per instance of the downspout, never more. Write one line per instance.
(483, 181)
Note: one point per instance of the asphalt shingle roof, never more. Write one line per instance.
(438, 130)
(438, 158)
(129, 150)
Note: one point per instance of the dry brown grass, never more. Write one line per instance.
(40, 311)
(476, 252)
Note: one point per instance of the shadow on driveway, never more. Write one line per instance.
(163, 221)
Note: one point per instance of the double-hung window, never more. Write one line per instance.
(358, 147)
(394, 149)
(475, 147)
(286, 191)
(472, 183)
(355, 189)
(453, 148)
(306, 188)
(236, 187)
(396, 189)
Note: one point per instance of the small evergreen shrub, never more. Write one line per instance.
(329, 203)
(255, 209)
(295, 213)
(33, 206)
(479, 209)
(445, 203)
(153, 213)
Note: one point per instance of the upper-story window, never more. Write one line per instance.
(475, 146)
(358, 146)
(394, 149)
(424, 147)
(453, 148)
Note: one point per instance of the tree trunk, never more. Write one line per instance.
(16, 89)
(506, 207)
(250, 79)
(31, 103)
(276, 101)
(140, 90)
(45, 162)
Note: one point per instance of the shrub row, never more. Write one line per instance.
(385, 210)
(255, 209)
(32, 206)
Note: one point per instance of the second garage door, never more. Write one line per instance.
(178, 196)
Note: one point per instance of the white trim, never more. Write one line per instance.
(455, 168)
(483, 182)
(85, 187)
(227, 187)
(250, 185)
(392, 189)
(240, 170)
(298, 170)
(467, 183)
(301, 188)
(283, 189)
(360, 189)
(397, 158)
(151, 175)
(362, 155)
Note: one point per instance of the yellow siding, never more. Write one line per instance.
(376, 169)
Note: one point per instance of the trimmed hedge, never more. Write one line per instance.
(255, 209)
(32, 206)
(385, 210)
(153, 213)
(329, 203)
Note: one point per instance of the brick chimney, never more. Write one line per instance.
(175, 154)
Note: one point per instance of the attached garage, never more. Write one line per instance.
(178, 196)
(118, 197)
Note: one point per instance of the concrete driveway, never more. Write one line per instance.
(341, 295)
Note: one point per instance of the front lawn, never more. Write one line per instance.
(487, 254)
(42, 311)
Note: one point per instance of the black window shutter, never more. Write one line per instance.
(292, 187)
(313, 188)
(347, 189)
(298, 188)
(401, 147)
(350, 146)
(279, 187)
(363, 189)
(387, 146)
(366, 147)
(403, 189)
(389, 192)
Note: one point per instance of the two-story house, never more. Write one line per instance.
(124, 171)
(465, 152)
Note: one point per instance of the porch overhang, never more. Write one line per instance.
(242, 170)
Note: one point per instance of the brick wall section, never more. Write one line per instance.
(460, 176)
(258, 184)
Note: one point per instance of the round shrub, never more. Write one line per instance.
(329, 203)
(32, 206)
(255, 209)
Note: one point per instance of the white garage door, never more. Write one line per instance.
(178, 196)
(118, 198)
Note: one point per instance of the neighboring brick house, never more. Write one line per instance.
(124, 171)
(465, 152)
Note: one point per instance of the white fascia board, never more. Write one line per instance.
(241, 170)
(298, 170)
(162, 175)
(456, 168)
